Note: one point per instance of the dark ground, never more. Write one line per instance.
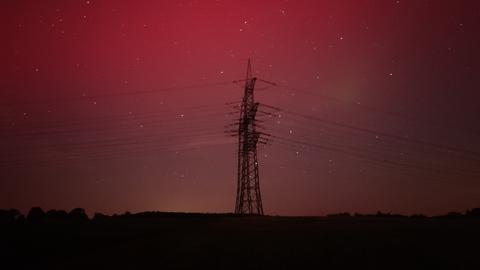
(196, 241)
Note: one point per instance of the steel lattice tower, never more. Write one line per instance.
(249, 200)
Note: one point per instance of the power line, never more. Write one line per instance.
(120, 142)
(379, 111)
(381, 133)
(85, 97)
(392, 155)
(397, 169)
(124, 155)
(365, 157)
(142, 125)
(109, 118)
(338, 133)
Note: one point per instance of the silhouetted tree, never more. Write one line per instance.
(453, 215)
(21, 219)
(475, 212)
(99, 217)
(78, 214)
(57, 215)
(8, 216)
(380, 214)
(126, 215)
(344, 214)
(36, 214)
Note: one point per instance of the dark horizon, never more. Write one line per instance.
(16, 214)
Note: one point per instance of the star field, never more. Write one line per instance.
(122, 106)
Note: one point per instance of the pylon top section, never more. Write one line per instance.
(249, 70)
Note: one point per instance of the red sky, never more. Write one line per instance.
(119, 106)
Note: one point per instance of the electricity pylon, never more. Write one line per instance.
(249, 199)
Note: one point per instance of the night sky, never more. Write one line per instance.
(119, 106)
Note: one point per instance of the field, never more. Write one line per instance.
(188, 241)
